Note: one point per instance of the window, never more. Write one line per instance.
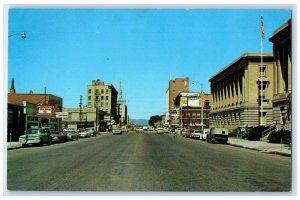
(102, 98)
(106, 97)
(102, 91)
(97, 97)
(89, 97)
(97, 91)
(262, 70)
(89, 91)
(106, 91)
(106, 103)
(206, 104)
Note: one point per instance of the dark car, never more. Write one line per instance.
(59, 137)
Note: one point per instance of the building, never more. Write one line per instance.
(33, 110)
(103, 97)
(175, 87)
(192, 109)
(236, 92)
(282, 88)
(122, 114)
(122, 107)
(82, 118)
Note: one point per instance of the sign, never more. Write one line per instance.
(190, 99)
(173, 113)
(52, 102)
(45, 110)
(61, 114)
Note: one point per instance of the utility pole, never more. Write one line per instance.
(97, 115)
(202, 104)
(80, 108)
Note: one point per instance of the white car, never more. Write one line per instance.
(160, 131)
(197, 134)
(117, 131)
(204, 135)
(84, 134)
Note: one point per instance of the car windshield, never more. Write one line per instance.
(198, 131)
(35, 131)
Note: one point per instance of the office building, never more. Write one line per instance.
(242, 92)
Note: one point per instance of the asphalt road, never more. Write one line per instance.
(146, 162)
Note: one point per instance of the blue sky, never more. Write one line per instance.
(66, 49)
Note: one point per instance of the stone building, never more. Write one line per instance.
(282, 88)
(238, 98)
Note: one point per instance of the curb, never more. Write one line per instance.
(262, 151)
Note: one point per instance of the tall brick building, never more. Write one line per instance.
(175, 88)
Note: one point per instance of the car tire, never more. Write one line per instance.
(41, 142)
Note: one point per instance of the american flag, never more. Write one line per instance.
(262, 28)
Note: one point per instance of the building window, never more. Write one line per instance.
(206, 104)
(90, 91)
(89, 97)
(106, 103)
(106, 91)
(102, 91)
(106, 97)
(97, 91)
(102, 98)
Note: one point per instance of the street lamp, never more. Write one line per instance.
(23, 35)
(195, 82)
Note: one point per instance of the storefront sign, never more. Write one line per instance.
(61, 114)
(44, 110)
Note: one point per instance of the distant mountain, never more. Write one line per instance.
(140, 122)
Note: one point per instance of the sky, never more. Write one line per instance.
(66, 49)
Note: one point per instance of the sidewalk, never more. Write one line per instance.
(262, 146)
(13, 145)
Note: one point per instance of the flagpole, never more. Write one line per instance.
(261, 72)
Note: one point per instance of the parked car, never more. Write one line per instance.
(166, 130)
(91, 130)
(187, 133)
(117, 131)
(197, 134)
(71, 134)
(124, 129)
(58, 137)
(139, 130)
(160, 131)
(36, 136)
(84, 134)
(217, 134)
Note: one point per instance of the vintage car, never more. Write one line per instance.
(71, 134)
(117, 131)
(38, 136)
(160, 131)
(59, 137)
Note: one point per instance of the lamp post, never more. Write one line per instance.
(201, 105)
(23, 35)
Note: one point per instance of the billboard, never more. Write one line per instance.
(190, 99)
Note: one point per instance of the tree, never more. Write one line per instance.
(154, 119)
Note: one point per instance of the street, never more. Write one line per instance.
(146, 162)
